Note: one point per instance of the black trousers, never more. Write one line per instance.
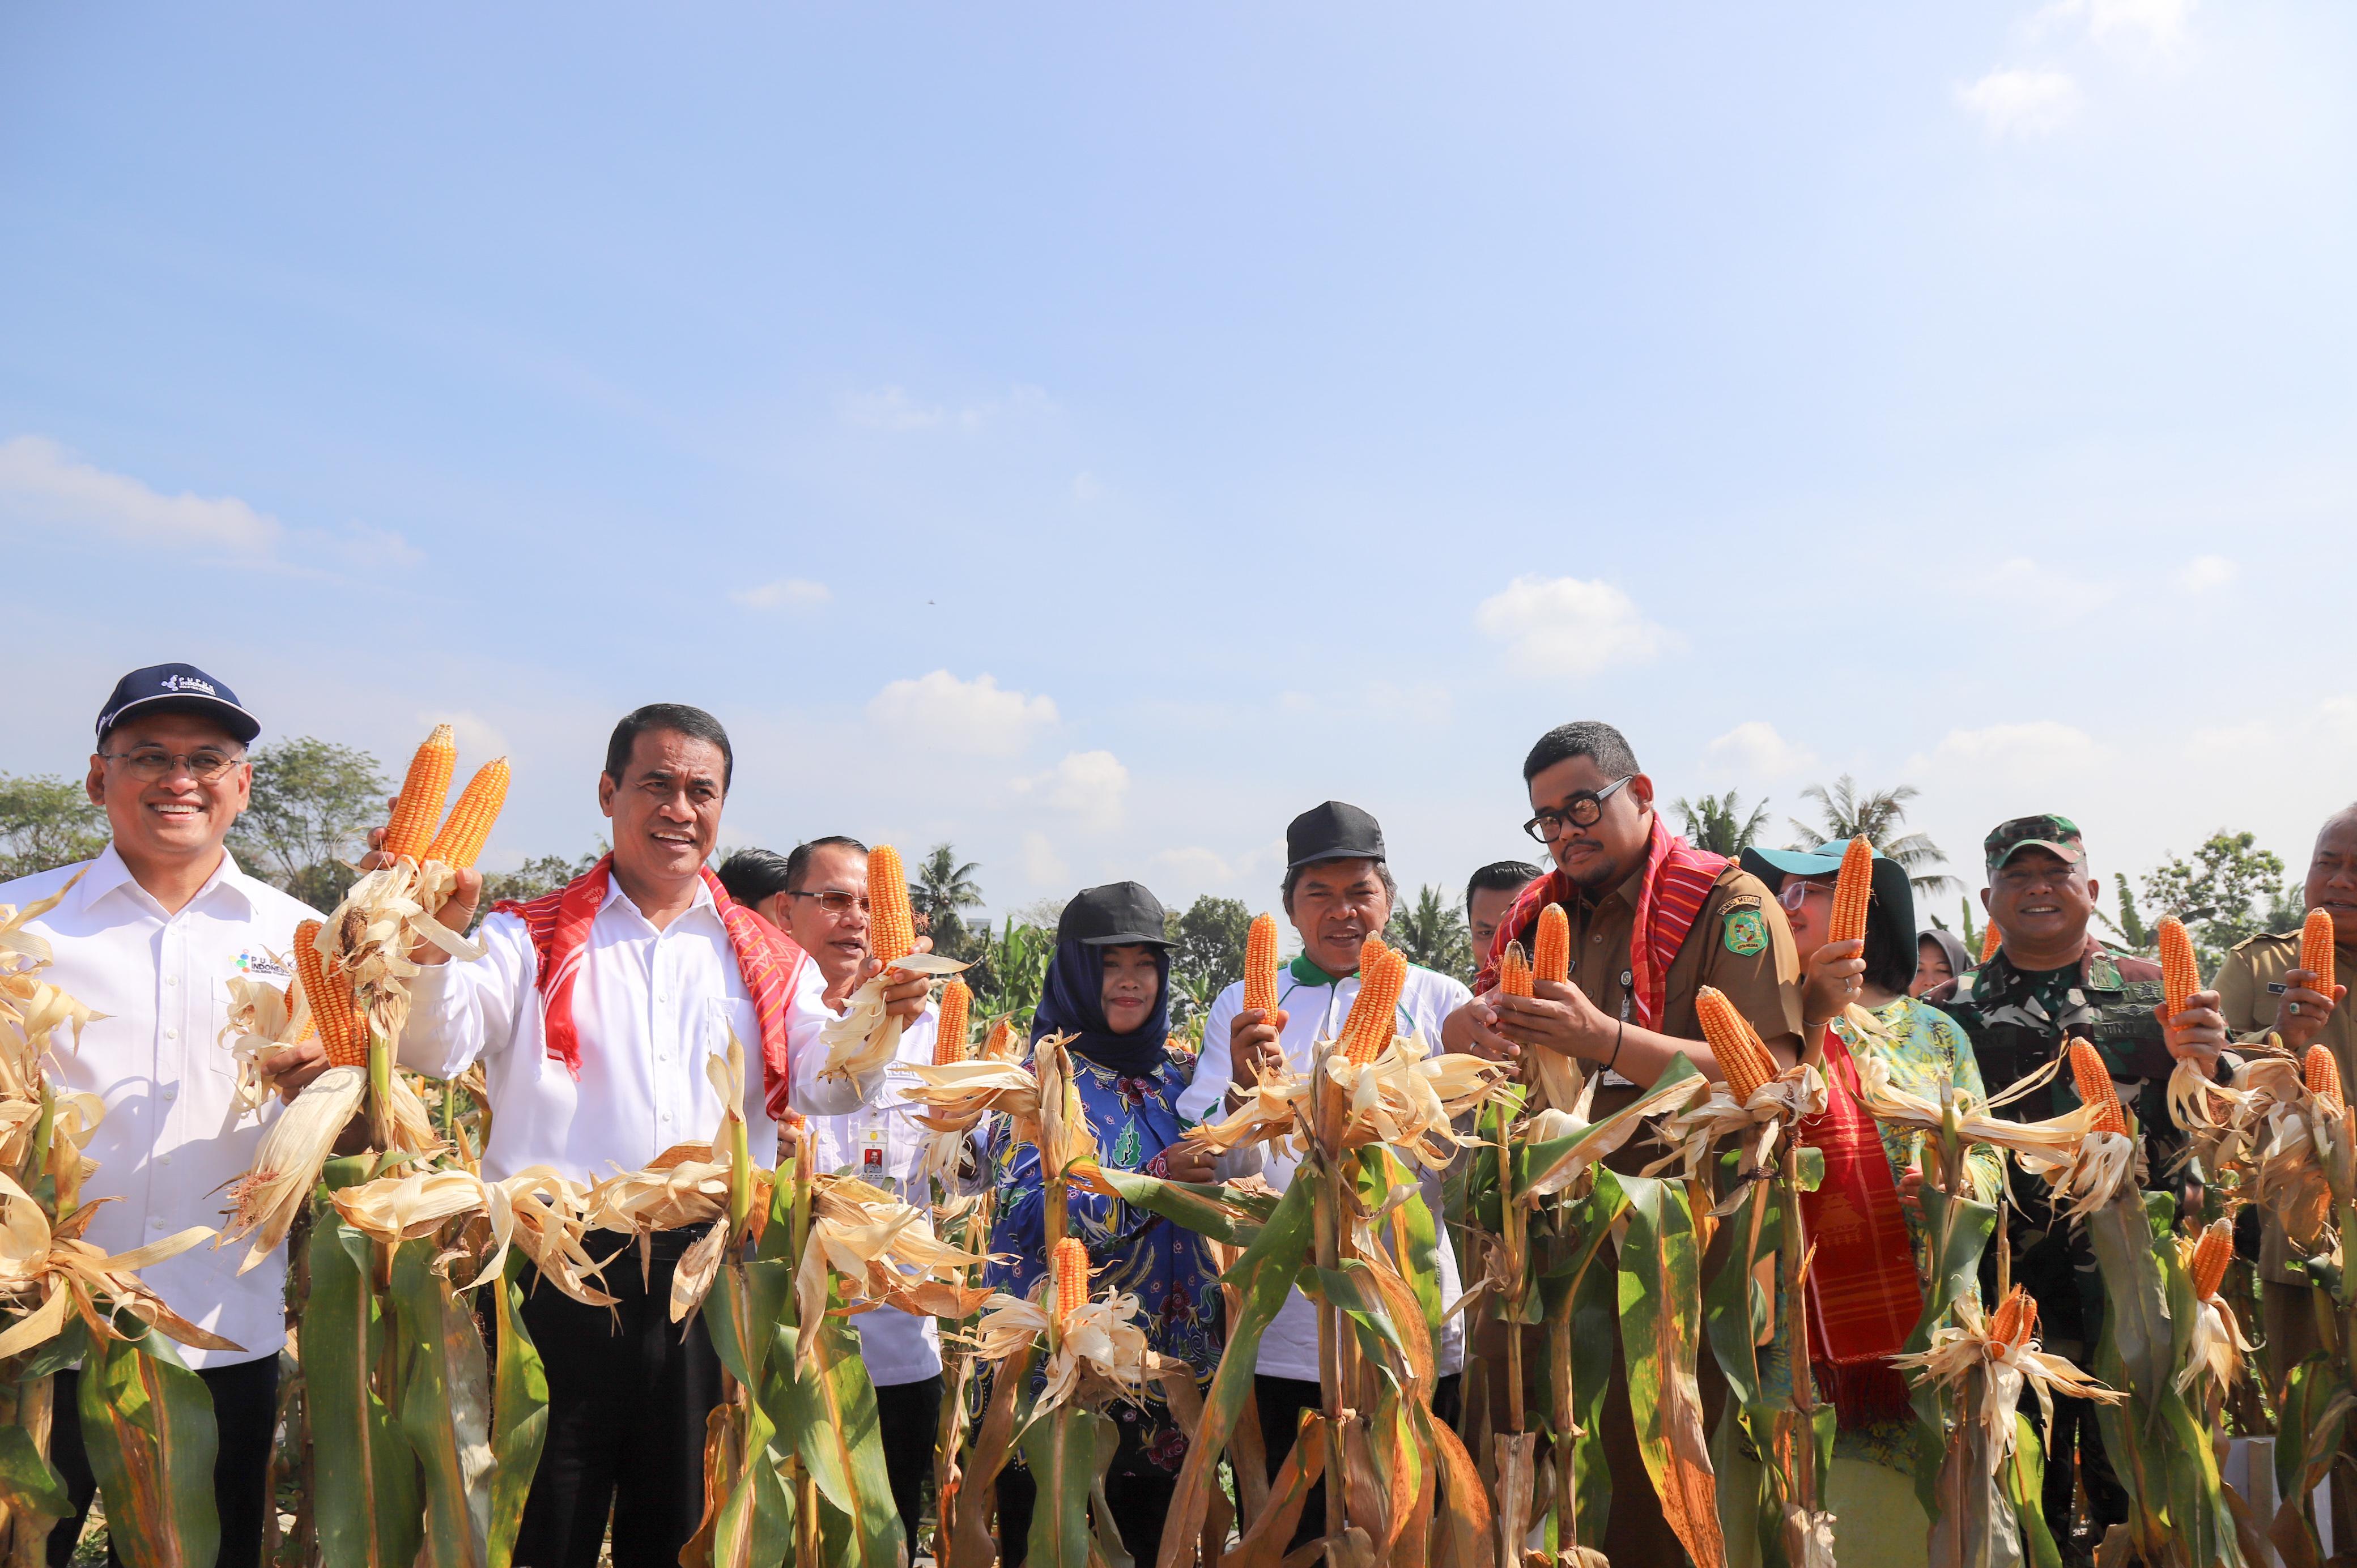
(246, 1415)
(628, 1393)
(909, 1415)
(1281, 1400)
(1138, 1504)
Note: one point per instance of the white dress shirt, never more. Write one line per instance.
(880, 1143)
(1316, 1012)
(172, 1137)
(648, 1006)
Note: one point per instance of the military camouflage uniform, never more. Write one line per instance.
(2018, 1021)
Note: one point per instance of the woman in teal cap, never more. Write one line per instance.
(1856, 1009)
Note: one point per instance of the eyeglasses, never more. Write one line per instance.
(836, 902)
(1796, 890)
(151, 763)
(1582, 811)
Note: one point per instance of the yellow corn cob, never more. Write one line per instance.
(1260, 965)
(2323, 1076)
(1551, 946)
(419, 805)
(2316, 950)
(1742, 1055)
(2178, 977)
(2015, 1320)
(1852, 888)
(341, 1028)
(1991, 940)
(1374, 1012)
(1515, 974)
(892, 924)
(949, 1031)
(1071, 1271)
(2211, 1256)
(469, 825)
(2095, 1081)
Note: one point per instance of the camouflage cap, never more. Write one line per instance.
(2048, 831)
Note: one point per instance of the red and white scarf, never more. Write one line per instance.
(1863, 1295)
(558, 924)
(1678, 878)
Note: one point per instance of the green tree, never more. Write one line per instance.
(532, 879)
(47, 820)
(1715, 823)
(1010, 970)
(1433, 934)
(1207, 952)
(1846, 812)
(2130, 927)
(2229, 890)
(942, 891)
(314, 802)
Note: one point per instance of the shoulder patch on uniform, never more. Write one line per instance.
(1740, 901)
(1745, 933)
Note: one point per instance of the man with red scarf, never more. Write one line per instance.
(1654, 919)
(593, 1010)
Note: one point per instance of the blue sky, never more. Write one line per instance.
(1094, 435)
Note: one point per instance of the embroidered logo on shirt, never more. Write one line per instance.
(251, 962)
(1745, 934)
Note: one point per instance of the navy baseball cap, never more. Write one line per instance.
(176, 689)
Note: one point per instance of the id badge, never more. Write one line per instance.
(871, 1153)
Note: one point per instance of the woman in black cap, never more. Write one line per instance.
(1108, 991)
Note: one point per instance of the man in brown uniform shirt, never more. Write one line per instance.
(2261, 989)
(1652, 921)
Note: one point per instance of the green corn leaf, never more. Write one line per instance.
(445, 1408)
(1660, 1309)
(28, 1484)
(1062, 1453)
(365, 1487)
(519, 1415)
(1208, 1209)
(147, 1425)
(1264, 1277)
(1959, 1229)
(832, 1426)
(2025, 1482)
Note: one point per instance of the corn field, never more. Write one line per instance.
(415, 1416)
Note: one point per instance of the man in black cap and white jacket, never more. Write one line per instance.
(1338, 892)
(149, 937)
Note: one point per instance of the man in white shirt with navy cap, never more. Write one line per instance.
(1338, 892)
(149, 937)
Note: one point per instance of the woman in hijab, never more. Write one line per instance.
(1108, 991)
(1940, 957)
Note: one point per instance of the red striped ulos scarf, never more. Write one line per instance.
(558, 924)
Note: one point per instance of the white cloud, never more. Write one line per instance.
(786, 593)
(1197, 865)
(1089, 785)
(2022, 102)
(895, 408)
(2017, 753)
(1568, 626)
(1042, 867)
(2204, 573)
(2159, 24)
(42, 485)
(973, 716)
(371, 549)
(1754, 750)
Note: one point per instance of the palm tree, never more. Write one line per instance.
(1712, 823)
(941, 889)
(1433, 934)
(1847, 813)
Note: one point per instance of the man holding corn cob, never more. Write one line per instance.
(2285, 983)
(148, 936)
(1652, 922)
(818, 896)
(594, 1011)
(2050, 982)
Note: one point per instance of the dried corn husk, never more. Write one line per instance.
(884, 1253)
(1100, 1352)
(369, 938)
(535, 1209)
(47, 1272)
(1967, 1346)
(1039, 1097)
(2216, 1347)
(2085, 1167)
(864, 1039)
(1405, 1097)
(264, 1201)
(263, 1018)
(1758, 1122)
